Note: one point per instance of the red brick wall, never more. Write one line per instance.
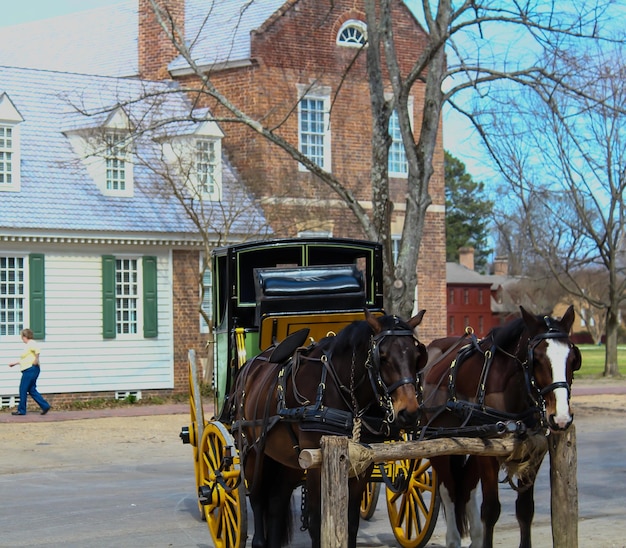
(186, 295)
(469, 305)
(156, 51)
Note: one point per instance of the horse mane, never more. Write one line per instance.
(359, 332)
(507, 334)
(511, 331)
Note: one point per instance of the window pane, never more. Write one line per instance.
(397, 155)
(207, 297)
(115, 159)
(11, 295)
(6, 155)
(206, 166)
(352, 34)
(312, 129)
(126, 296)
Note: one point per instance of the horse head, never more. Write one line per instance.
(396, 357)
(551, 362)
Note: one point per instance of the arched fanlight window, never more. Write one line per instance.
(352, 33)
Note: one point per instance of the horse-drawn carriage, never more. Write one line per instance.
(287, 296)
(303, 348)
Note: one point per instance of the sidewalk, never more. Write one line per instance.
(585, 387)
(118, 411)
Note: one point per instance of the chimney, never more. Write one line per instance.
(501, 266)
(155, 49)
(466, 257)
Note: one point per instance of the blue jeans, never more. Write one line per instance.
(28, 385)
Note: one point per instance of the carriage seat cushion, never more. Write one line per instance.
(309, 288)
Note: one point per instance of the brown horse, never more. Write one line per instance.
(519, 374)
(369, 369)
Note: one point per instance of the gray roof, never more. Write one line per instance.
(58, 194)
(458, 274)
(219, 31)
(104, 41)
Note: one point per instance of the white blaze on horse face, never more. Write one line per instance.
(557, 352)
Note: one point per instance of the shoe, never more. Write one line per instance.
(17, 413)
(45, 411)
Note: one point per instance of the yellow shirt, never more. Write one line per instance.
(30, 353)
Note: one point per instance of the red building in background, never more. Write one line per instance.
(474, 300)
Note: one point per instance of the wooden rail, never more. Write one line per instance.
(341, 458)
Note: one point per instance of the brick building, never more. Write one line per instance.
(294, 63)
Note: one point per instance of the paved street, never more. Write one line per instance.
(128, 481)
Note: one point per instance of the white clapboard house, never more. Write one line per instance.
(96, 255)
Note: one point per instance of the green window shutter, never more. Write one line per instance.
(108, 297)
(36, 299)
(150, 321)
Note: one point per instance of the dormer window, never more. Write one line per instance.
(106, 152)
(352, 34)
(196, 161)
(10, 119)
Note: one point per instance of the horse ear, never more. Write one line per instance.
(371, 320)
(531, 321)
(568, 319)
(528, 317)
(417, 319)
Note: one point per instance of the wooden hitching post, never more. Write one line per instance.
(335, 465)
(563, 488)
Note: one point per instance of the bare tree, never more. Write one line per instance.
(568, 178)
(456, 60)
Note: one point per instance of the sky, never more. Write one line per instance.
(14, 12)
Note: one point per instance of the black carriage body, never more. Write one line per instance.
(264, 291)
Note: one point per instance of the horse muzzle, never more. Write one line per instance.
(560, 423)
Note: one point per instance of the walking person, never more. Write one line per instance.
(29, 364)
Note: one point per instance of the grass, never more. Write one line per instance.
(593, 360)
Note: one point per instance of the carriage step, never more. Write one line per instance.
(184, 434)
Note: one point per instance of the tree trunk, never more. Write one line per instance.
(612, 327)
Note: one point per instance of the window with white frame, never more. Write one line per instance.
(397, 165)
(130, 297)
(126, 296)
(314, 131)
(207, 299)
(116, 159)
(12, 295)
(207, 169)
(396, 239)
(6, 156)
(353, 33)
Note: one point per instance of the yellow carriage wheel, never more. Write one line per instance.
(413, 511)
(369, 500)
(221, 489)
(196, 427)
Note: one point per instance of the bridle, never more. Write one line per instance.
(552, 334)
(373, 364)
